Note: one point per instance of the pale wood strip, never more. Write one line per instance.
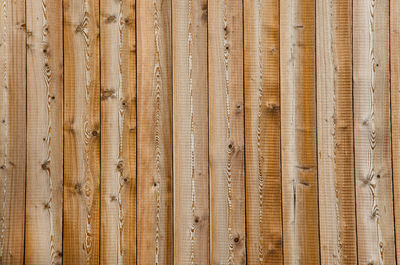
(118, 138)
(12, 130)
(190, 116)
(395, 112)
(81, 132)
(373, 167)
(262, 132)
(44, 188)
(335, 133)
(154, 135)
(226, 133)
(298, 124)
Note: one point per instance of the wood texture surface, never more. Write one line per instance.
(81, 132)
(395, 113)
(372, 141)
(226, 132)
(190, 127)
(262, 132)
(335, 133)
(44, 192)
(199, 132)
(118, 137)
(298, 123)
(154, 149)
(12, 130)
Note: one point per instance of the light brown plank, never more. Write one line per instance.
(262, 132)
(12, 130)
(44, 187)
(81, 132)
(373, 168)
(226, 133)
(395, 112)
(118, 138)
(298, 124)
(335, 133)
(154, 135)
(190, 116)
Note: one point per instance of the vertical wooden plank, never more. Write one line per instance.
(118, 138)
(335, 133)
(373, 167)
(226, 134)
(81, 132)
(262, 132)
(190, 127)
(12, 130)
(298, 124)
(395, 112)
(154, 135)
(44, 187)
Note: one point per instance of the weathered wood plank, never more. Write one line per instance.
(190, 127)
(262, 132)
(335, 133)
(12, 131)
(298, 125)
(81, 132)
(44, 188)
(226, 132)
(154, 135)
(373, 168)
(118, 137)
(395, 112)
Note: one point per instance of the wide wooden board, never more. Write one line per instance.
(154, 135)
(190, 127)
(12, 130)
(299, 136)
(337, 213)
(262, 132)
(118, 132)
(226, 132)
(81, 132)
(372, 142)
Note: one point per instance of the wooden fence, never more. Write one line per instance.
(195, 132)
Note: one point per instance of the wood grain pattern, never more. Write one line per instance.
(118, 138)
(298, 124)
(338, 241)
(226, 132)
(44, 193)
(12, 130)
(372, 132)
(154, 136)
(395, 113)
(238, 132)
(262, 132)
(81, 132)
(190, 127)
